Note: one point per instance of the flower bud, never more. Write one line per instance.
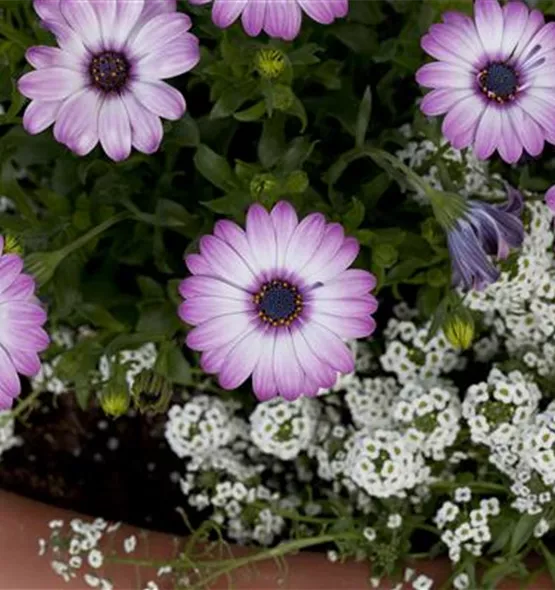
(459, 329)
(115, 399)
(283, 97)
(151, 392)
(262, 184)
(12, 246)
(270, 63)
(297, 182)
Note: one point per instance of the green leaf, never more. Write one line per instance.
(363, 118)
(185, 132)
(522, 532)
(497, 573)
(233, 203)
(150, 289)
(158, 318)
(254, 113)
(172, 365)
(232, 98)
(385, 255)
(549, 560)
(214, 168)
(100, 317)
(354, 216)
(272, 142)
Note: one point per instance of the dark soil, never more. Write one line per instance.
(118, 469)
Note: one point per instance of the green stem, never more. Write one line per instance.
(417, 181)
(475, 486)
(281, 550)
(21, 406)
(93, 233)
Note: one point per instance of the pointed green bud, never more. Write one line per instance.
(459, 328)
(115, 397)
(12, 246)
(151, 392)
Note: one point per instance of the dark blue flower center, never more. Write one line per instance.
(498, 82)
(109, 71)
(278, 303)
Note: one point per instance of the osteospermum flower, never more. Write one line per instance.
(276, 301)
(493, 79)
(550, 198)
(104, 81)
(21, 333)
(484, 231)
(278, 18)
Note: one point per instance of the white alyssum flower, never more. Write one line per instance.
(199, 427)
(130, 544)
(394, 521)
(384, 463)
(463, 494)
(497, 410)
(429, 416)
(413, 357)
(95, 559)
(371, 400)
(541, 528)
(422, 582)
(461, 582)
(283, 428)
(369, 534)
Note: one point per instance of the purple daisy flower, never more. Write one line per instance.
(21, 333)
(484, 231)
(550, 198)
(104, 82)
(494, 79)
(278, 18)
(276, 301)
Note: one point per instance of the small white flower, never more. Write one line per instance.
(463, 494)
(369, 534)
(112, 528)
(394, 521)
(75, 562)
(422, 582)
(95, 559)
(151, 586)
(490, 506)
(42, 547)
(332, 556)
(56, 524)
(92, 581)
(130, 544)
(164, 570)
(541, 528)
(461, 582)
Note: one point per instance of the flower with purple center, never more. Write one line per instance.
(278, 18)
(277, 301)
(483, 231)
(493, 79)
(21, 333)
(104, 81)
